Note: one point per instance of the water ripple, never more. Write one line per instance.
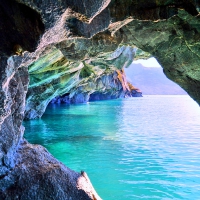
(139, 148)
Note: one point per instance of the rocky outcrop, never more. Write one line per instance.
(53, 78)
(29, 171)
(107, 86)
(82, 39)
(37, 175)
(86, 29)
(167, 30)
(14, 86)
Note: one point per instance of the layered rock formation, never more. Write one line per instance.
(53, 78)
(86, 29)
(29, 171)
(107, 86)
(79, 38)
(87, 41)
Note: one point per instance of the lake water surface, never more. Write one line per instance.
(137, 148)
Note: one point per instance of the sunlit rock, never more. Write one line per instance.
(83, 42)
(56, 79)
(30, 171)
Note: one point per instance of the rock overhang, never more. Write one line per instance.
(19, 25)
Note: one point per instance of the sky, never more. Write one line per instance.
(149, 77)
(151, 62)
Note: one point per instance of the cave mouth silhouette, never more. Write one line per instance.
(19, 25)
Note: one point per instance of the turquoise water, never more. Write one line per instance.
(137, 148)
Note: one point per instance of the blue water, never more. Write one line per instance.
(137, 148)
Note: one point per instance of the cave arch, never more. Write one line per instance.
(19, 24)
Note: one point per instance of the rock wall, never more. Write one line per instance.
(174, 43)
(107, 86)
(30, 171)
(167, 30)
(82, 41)
(14, 85)
(53, 76)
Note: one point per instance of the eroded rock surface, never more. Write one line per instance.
(14, 86)
(38, 175)
(107, 86)
(175, 44)
(30, 171)
(167, 30)
(85, 29)
(19, 24)
(53, 78)
(82, 41)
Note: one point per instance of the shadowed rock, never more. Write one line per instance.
(29, 171)
(37, 175)
(14, 86)
(52, 76)
(82, 42)
(168, 31)
(19, 24)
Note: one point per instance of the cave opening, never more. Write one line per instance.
(148, 76)
(19, 25)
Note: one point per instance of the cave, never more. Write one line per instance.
(70, 64)
(19, 25)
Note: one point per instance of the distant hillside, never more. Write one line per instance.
(152, 80)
